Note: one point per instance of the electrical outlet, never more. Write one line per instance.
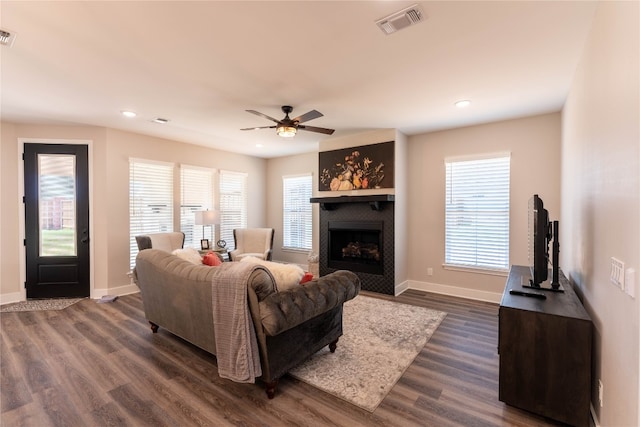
(617, 273)
(600, 393)
(429, 271)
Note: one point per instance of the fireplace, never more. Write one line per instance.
(357, 234)
(356, 246)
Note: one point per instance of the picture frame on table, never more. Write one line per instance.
(204, 244)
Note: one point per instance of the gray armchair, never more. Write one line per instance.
(255, 242)
(168, 241)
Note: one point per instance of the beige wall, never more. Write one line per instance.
(11, 235)
(534, 144)
(276, 169)
(110, 151)
(400, 190)
(601, 201)
(304, 163)
(9, 261)
(420, 194)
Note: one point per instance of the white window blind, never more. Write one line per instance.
(296, 212)
(196, 194)
(477, 213)
(150, 200)
(233, 204)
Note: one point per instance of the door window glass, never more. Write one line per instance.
(57, 204)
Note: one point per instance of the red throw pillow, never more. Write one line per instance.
(306, 278)
(211, 259)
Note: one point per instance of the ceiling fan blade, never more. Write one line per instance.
(258, 113)
(313, 114)
(260, 127)
(317, 129)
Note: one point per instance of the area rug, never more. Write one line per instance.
(380, 340)
(39, 305)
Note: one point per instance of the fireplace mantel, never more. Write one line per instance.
(375, 201)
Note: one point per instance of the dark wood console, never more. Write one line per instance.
(545, 351)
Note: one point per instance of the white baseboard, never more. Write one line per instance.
(594, 417)
(12, 297)
(119, 291)
(95, 294)
(454, 291)
(401, 287)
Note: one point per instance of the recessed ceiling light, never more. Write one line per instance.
(160, 120)
(259, 145)
(128, 114)
(463, 103)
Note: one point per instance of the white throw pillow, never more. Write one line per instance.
(286, 275)
(188, 254)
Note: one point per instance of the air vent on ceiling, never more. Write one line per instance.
(7, 38)
(401, 19)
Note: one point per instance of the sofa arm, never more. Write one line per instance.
(284, 310)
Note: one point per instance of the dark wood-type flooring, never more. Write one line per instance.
(99, 365)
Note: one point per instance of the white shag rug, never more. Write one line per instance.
(380, 340)
(39, 305)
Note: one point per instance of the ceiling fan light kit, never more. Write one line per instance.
(288, 127)
(286, 131)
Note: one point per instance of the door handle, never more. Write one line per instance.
(85, 238)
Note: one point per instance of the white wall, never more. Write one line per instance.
(534, 144)
(601, 201)
(111, 150)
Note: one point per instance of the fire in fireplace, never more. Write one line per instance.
(356, 246)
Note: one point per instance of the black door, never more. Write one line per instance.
(56, 185)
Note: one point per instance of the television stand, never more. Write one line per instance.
(545, 351)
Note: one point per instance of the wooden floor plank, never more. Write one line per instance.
(100, 365)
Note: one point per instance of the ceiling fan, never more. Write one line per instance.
(288, 127)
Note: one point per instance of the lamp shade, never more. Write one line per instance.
(207, 217)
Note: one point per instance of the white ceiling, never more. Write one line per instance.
(201, 64)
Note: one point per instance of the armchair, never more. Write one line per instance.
(168, 241)
(255, 242)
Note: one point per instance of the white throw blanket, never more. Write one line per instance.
(236, 344)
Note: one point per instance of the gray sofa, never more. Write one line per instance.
(290, 325)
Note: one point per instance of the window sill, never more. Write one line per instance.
(478, 270)
(296, 250)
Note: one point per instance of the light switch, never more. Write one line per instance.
(617, 273)
(630, 282)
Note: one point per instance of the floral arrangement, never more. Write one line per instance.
(353, 174)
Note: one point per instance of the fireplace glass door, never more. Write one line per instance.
(356, 246)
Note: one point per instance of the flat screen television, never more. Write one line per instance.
(541, 233)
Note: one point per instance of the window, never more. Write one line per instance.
(196, 194)
(477, 213)
(150, 200)
(296, 212)
(233, 205)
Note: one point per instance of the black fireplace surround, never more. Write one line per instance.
(357, 234)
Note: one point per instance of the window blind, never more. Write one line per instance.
(297, 220)
(233, 204)
(196, 194)
(150, 200)
(477, 213)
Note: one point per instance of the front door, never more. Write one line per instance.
(56, 187)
